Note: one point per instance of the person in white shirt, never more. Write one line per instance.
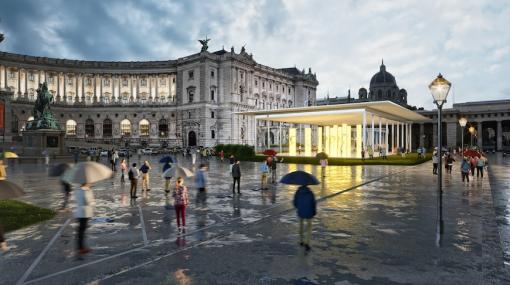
(85, 203)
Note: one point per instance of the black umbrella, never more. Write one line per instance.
(59, 169)
(299, 178)
(9, 190)
(167, 159)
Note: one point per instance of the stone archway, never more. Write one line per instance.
(192, 138)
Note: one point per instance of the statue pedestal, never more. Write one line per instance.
(35, 142)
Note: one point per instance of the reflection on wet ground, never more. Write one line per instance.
(382, 232)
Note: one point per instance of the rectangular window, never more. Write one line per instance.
(212, 114)
(213, 134)
(190, 75)
(256, 82)
(162, 82)
(173, 80)
(124, 82)
(189, 115)
(31, 76)
(107, 82)
(212, 73)
(212, 95)
(12, 75)
(263, 85)
(69, 81)
(143, 82)
(50, 80)
(89, 82)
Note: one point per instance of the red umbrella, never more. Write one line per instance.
(471, 153)
(269, 152)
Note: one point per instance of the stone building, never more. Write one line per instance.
(189, 101)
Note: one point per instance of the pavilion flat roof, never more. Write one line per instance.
(351, 114)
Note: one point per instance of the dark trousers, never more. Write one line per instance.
(82, 226)
(122, 179)
(180, 213)
(2, 238)
(273, 175)
(134, 184)
(434, 168)
(479, 171)
(473, 171)
(238, 179)
(465, 175)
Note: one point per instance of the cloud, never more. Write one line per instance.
(343, 41)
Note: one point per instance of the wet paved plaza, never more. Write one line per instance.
(375, 225)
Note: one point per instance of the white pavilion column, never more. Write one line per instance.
(402, 135)
(292, 141)
(398, 136)
(372, 139)
(364, 130)
(326, 140)
(386, 137)
(380, 132)
(359, 140)
(256, 131)
(333, 137)
(279, 136)
(410, 137)
(308, 141)
(319, 139)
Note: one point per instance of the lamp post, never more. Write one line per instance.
(471, 131)
(462, 123)
(439, 89)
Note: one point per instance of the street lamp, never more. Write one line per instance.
(472, 132)
(439, 89)
(462, 123)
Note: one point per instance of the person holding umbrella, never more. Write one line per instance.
(167, 178)
(59, 171)
(304, 202)
(85, 174)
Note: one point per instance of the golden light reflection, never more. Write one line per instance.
(319, 139)
(181, 277)
(327, 140)
(333, 147)
(308, 142)
(359, 140)
(292, 141)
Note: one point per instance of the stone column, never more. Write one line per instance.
(95, 89)
(19, 82)
(26, 85)
(65, 87)
(101, 82)
(76, 95)
(499, 135)
(138, 89)
(451, 134)
(157, 84)
(5, 77)
(58, 88)
(479, 134)
(112, 84)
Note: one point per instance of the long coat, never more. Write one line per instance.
(304, 202)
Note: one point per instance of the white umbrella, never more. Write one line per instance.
(177, 171)
(87, 172)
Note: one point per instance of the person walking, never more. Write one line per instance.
(194, 156)
(115, 158)
(200, 180)
(324, 163)
(222, 155)
(133, 176)
(145, 175)
(363, 154)
(181, 201)
(472, 163)
(450, 160)
(480, 164)
(306, 205)
(264, 169)
(167, 166)
(464, 169)
(236, 175)
(85, 203)
(435, 162)
(123, 168)
(273, 169)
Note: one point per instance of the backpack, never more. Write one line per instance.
(131, 175)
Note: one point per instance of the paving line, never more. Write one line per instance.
(203, 242)
(142, 223)
(41, 255)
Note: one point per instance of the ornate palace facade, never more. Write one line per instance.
(184, 102)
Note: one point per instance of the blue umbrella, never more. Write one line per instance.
(166, 159)
(167, 166)
(299, 178)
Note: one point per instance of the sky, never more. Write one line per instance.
(342, 41)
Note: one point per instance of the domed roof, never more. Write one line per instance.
(383, 77)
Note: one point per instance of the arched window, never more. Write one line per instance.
(107, 128)
(125, 127)
(71, 128)
(144, 128)
(89, 128)
(379, 94)
(163, 128)
(388, 95)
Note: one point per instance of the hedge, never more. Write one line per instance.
(243, 152)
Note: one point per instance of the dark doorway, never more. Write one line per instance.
(192, 139)
(89, 128)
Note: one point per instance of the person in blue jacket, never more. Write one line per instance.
(304, 202)
(167, 166)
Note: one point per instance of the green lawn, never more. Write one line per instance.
(409, 159)
(15, 214)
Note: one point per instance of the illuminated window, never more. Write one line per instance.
(144, 127)
(125, 127)
(71, 128)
